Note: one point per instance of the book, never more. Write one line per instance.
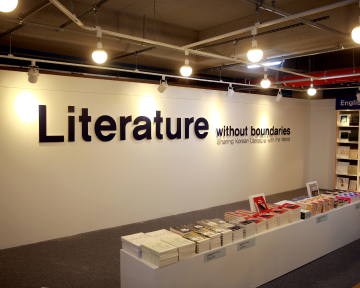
(353, 154)
(342, 183)
(343, 151)
(161, 234)
(160, 253)
(181, 230)
(202, 242)
(342, 167)
(352, 170)
(249, 228)
(186, 248)
(132, 243)
(260, 203)
(353, 137)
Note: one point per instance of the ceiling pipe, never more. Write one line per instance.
(195, 52)
(87, 11)
(260, 34)
(305, 21)
(55, 28)
(21, 21)
(273, 22)
(335, 76)
(125, 70)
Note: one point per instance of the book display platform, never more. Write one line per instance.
(251, 262)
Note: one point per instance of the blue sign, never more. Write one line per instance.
(347, 103)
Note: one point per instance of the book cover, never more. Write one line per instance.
(260, 203)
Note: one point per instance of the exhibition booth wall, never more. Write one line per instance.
(55, 189)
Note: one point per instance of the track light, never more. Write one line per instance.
(254, 54)
(33, 72)
(99, 55)
(265, 83)
(8, 5)
(186, 70)
(311, 91)
(279, 96)
(163, 85)
(358, 94)
(230, 91)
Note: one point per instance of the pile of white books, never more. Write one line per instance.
(260, 224)
(161, 234)
(202, 242)
(132, 243)
(186, 248)
(283, 216)
(249, 228)
(160, 253)
(305, 214)
(271, 219)
(226, 234)
(237, 233)
(294, 210)
(181, 230)
(215, 238)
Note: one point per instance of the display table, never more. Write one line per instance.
(275, 253)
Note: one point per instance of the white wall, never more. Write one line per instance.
(60, 189)
(322, 143)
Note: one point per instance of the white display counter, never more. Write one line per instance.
(275, 253)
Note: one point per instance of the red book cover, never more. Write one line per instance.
(278, 211)
(266, 215)
(255, 220)
(290, 206)
(260, 203)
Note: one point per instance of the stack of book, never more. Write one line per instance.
(132, 243)
(202, 242)
(249, 228)
(161, 234)
(181, 230)
(307, 206)
(215, 238)
(305, 214)
(271, 219)
(186, 248)
(282, 216)
(232, 216)
(160, 253)
(352, 169)
(294, 210)
(237, 231)
(260, 224)
(226, 234)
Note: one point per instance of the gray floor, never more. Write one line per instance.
(92, 259)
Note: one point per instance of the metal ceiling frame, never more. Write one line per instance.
(200, 53)
(305, 21)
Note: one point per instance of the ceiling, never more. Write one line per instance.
(304, 48)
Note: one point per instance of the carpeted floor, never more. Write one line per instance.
(92, 259)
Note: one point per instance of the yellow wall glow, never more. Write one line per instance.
(147, 106)
(264, 122)
(27, 107)
(215, 122)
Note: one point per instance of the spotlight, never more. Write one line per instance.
(311, 91)
(99, 55)
(254, 54)
(163, 85)
(8, 5)
(33, 72)
(355, 34)
(186, 70)
(265, 83)
(358, 94)
(230, 91)
(279, 96)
